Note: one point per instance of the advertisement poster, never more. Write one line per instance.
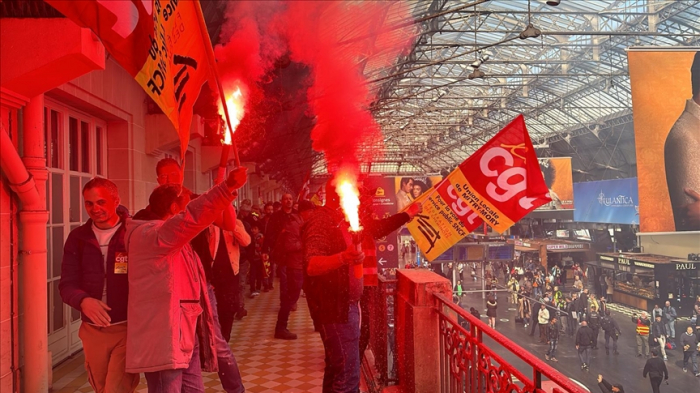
(666, 108)
(558, 177)
(384, 205)
(410, 188)
(608, 201)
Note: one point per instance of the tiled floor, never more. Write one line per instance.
(267, 365)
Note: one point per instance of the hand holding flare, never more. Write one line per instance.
(350, 202)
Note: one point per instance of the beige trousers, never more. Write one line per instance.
(105, 358)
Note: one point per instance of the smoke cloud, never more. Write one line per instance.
(338, 41)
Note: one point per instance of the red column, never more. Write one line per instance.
(417, 329)
(32, 260)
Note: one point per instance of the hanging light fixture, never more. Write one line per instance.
(553, 3)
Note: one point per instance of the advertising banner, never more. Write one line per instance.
(384, 205)
(666, 108)
(499, 184)
(559, 179)
(410, 188)
(607, 201)
(160, 43)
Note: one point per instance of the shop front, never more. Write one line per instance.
(643, 280)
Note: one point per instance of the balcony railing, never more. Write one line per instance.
(467, 364)
(440, 347)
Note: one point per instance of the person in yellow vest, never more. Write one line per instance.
(643, 324)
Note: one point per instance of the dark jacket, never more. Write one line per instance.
(584, 336)
(691, 340)
(83, 270)
(658, 329)
(283, 239)
(328, 294)
(656, 368)
(594, 320)
(553, 333)
(606, 387)
(491, 306)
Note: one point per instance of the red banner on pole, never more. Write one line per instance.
(499, 184)
(158, 42)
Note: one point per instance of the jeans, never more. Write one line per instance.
(552, 348)
(596, 331)
(671, 328)
(176, 381)
(295, 279)
(243, 272)
(282, 274)
(642, 345)
(608, 337)
(341, 342)
(229, 375)
(584, 354)
(256, 275)
(571, 325)
(544, 328)
(655, 384)
(691, 355)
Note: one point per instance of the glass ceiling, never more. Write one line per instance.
(435, 107)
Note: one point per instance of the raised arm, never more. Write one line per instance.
(179, 229)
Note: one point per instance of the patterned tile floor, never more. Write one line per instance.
(267, 365)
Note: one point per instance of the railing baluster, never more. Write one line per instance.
(466, 363)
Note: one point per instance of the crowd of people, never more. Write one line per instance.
(159, 292)
(542, 303)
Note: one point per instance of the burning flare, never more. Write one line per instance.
(234, 103)
(350, 201)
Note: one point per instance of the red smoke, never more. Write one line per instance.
(338, 41)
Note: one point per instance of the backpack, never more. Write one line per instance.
(606, 324)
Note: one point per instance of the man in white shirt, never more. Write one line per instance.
(94, 281)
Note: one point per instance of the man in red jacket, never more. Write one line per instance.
(94, 281)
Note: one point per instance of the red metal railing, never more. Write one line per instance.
(382, 336)
(468, 365)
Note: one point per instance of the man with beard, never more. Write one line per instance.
(333, 291)
(283, 243)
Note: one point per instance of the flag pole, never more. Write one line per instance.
(212, 65)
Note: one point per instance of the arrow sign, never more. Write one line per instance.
(382, 261)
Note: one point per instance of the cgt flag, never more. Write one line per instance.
(158, 42)
(504, 184)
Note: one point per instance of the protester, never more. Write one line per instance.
(642, 333)
(689, 343)
(282, 244)
(543, 321)
(333, 291)
(491, 307)
(594, 324)
(606, 387)
(584, 341)
(612, 331)
(553, 339)
(225, 274)
(670, 316)
(94, 281)
(659, 335)
(257, 269)
(656, 369)
(169, 297)
(169, 172)
(374, 229)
